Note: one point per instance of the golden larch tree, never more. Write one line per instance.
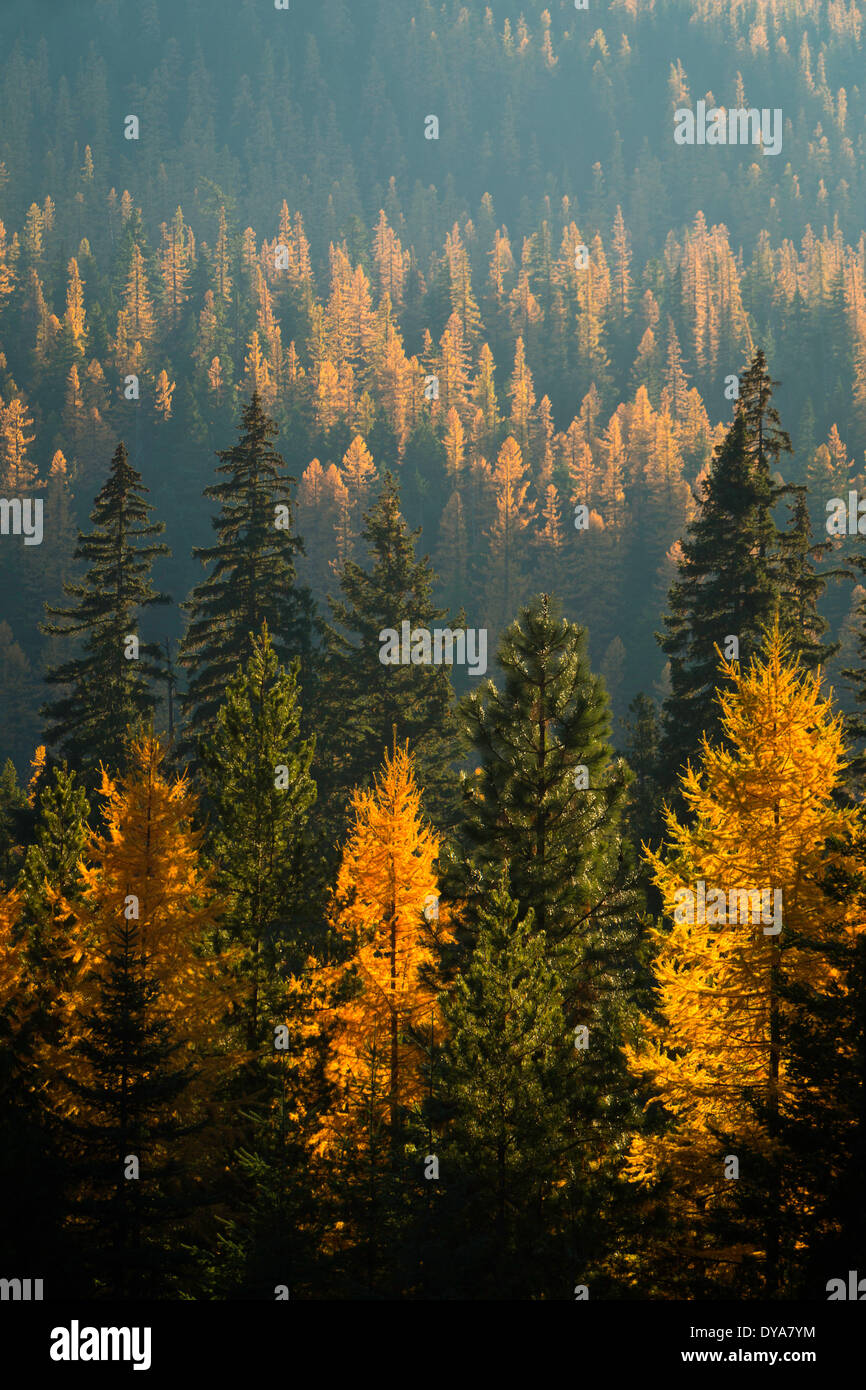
(761, 814)
(386, 911)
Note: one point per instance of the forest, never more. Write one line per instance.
(432, 650)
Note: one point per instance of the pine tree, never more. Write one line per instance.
(124, 1096)
(49, 882)
(252, 573)
(107, 684)
(725, 589)
(365, 700)
(256, 770)
(515, 1129)
(548, 800)
(802, 586)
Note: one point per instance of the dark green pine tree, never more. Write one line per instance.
(107, 684)
(364, 701)
(278, 1199)
(256, 769)
(548, 800)
(51, 866)
(128, 1095)
(513, 1218)
(251, 577)
(737, 567)
(767, 441)
(726, 588)
(802, 586)
(549, 797)
(643, 816)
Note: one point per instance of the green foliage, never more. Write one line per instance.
(105, 689)
(256, 768)
(252, 572)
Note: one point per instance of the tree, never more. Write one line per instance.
(107, 684)
(252, 573)
(725, 588)
(761, 816)
(384, 994)
(364, 699)
(124, 1096)
(548, 794)
(256, 770)
(515, 1127)
(50, 879)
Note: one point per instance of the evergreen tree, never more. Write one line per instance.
(256, 769)
(107, 684)
(252, 573)
(516, 1127)
(802, 587)
(725, 589)
(126, 1086)
(549, 796)
(364, 700)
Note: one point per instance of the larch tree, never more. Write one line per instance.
(385, 915)
(761, 817)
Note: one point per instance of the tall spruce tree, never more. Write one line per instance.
(252, 574)
(802, 586)
(364, 700)
(726, 587)
(548, 800)
(516, 1143)
(126, 1079)
(256, 768)
(107, 684)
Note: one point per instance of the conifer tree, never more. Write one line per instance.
(364, 699)
(762, 820)
(252, 573)
(50, 878)
(516, 1133)
(725, 589)
(123, 1109)
(106, 685)
(548, 799)
(384, 986)
(256, 769)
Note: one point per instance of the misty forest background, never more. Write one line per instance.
(324, 978)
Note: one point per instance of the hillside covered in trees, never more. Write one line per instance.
(433, 649)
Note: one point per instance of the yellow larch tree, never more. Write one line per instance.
(164, 391)
(508, 534)
(74, 318)
(8, 256)
(761, 815)
(385, 910)
(144, 865)
(17, 473)
(135, 321)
